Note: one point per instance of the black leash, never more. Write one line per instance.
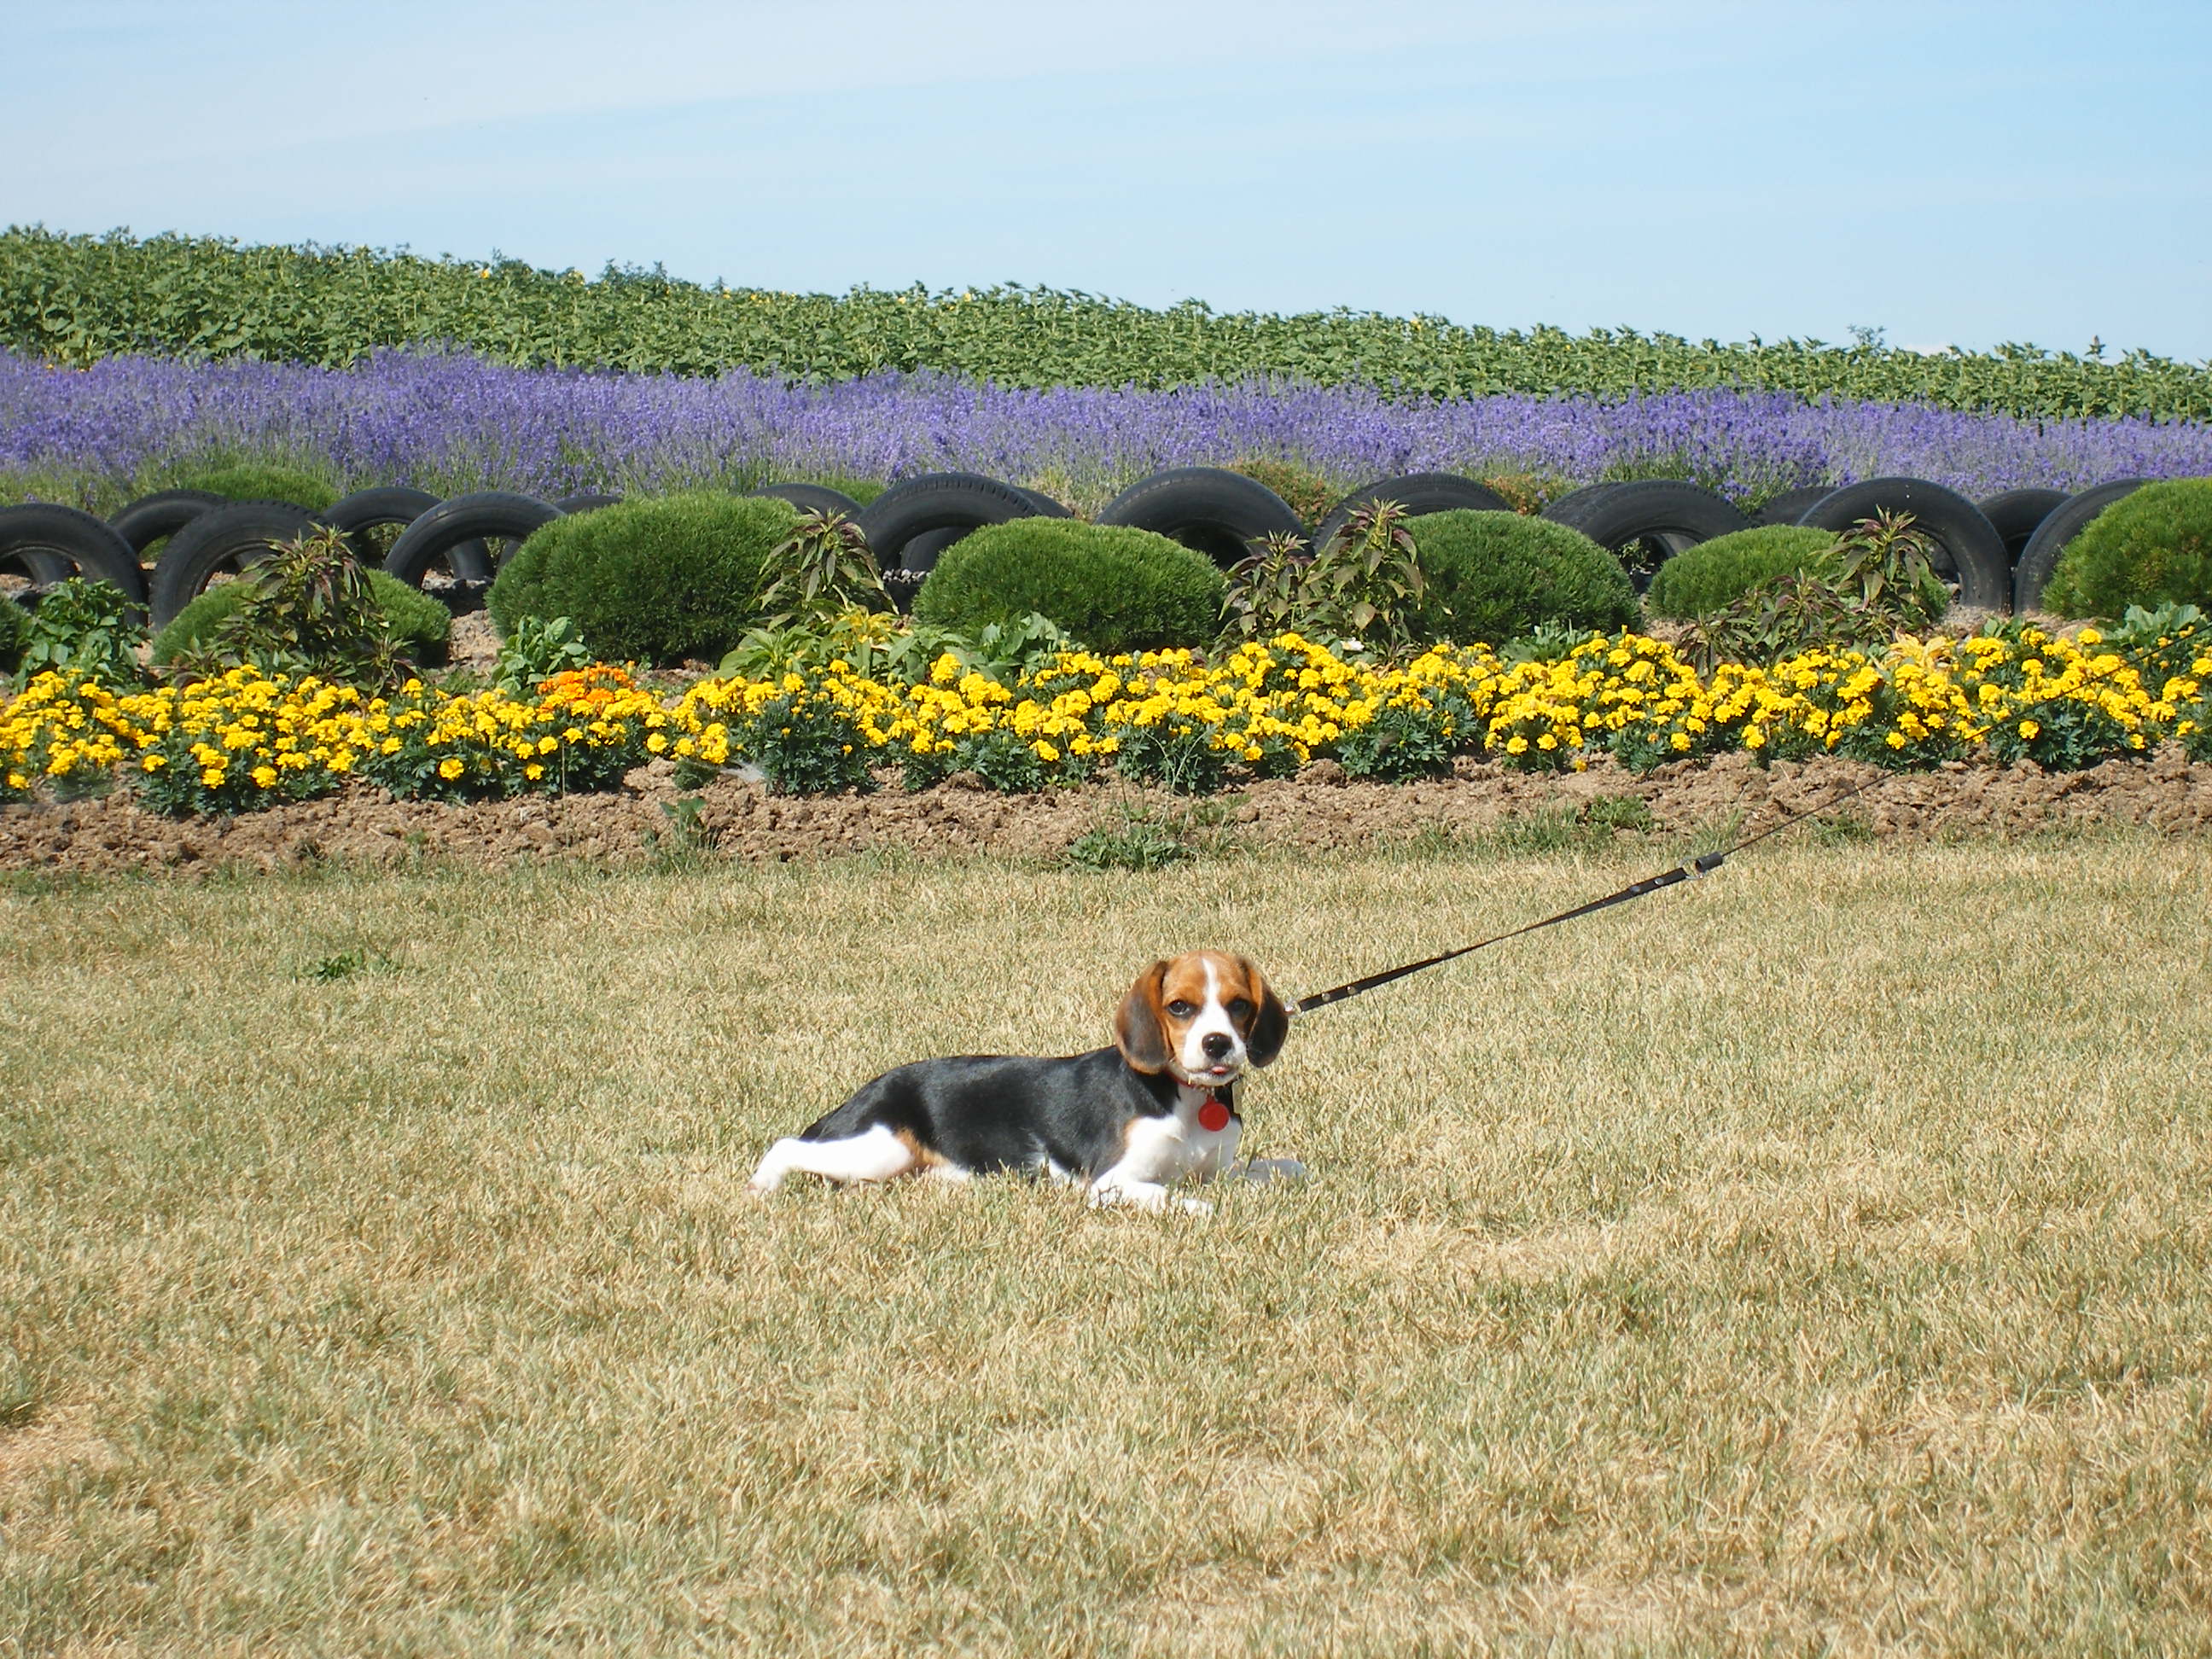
(1704, 864)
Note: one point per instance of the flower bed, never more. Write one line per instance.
(247, 740)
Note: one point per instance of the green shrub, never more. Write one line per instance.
(1491, 576)
(1702, 579)
(659, 579)
(418, 622)
(2152, 547)
(1112, 587)
(14, 630)
(253, 481)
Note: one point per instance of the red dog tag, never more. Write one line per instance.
(1214, 1116)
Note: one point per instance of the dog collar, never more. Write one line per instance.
(1212, 1116)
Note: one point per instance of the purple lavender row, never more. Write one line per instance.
(449, 422)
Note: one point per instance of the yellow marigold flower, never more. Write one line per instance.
(533, 771)
(2028, 729)
(656, 742)
(451, 767)
(265, 776)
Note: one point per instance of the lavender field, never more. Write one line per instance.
(449, 422)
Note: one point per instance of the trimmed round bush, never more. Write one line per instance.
(2152, 546)
(659, 579)
(252, 482)
(1495, 576)
(15, 631)
(419, 620)
(1112, 586)
(1704, 578)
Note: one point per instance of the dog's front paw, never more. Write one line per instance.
(1195, 1206)
(1272, 1169)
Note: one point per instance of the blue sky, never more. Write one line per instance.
(1963, 173)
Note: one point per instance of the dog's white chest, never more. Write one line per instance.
(1166, 1150)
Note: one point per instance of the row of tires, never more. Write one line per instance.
(1999, 552)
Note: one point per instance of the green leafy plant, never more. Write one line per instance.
(1886, 565)
(1547, 643)
(1113, 587)
(824, 569)
(346, 964)
(1177, 753)
(876, 644)
(1263, 595)
(1365, 584)
(1876, 583)
(1135, 841)
(1491, 576)
(14, 629)
(537, 650)
(805, 744)
(192, 644)
(83, 627)
(2152, 546)
(688, 832)
(308, 608)
(1003, 760)
(2165, 643)
(1404, 741)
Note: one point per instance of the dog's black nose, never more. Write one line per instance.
(1216, 1044)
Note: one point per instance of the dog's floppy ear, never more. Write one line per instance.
(1273, 1023)
(1137, 1031)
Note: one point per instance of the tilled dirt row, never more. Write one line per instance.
(1318, 809)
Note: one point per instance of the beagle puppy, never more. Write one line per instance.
(1127, 1122)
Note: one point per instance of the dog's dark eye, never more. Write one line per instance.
(1181, 1009)
(1240, 1009)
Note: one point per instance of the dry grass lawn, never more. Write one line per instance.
(1814, 1258)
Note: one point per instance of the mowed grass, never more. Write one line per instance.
(1813, 1258)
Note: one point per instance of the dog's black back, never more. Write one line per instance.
(985, 1113)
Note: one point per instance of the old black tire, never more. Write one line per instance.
(1639, 509)
(1222, 514)
(955, 501)
(2031, 575)
(920, 553)
(1792, 505)
(1574, 500)
(1418, 493)
(1661, 516)
(2015, 514)
(150, 518)
(354, 515)
(463, 518)
(1976, 552)
(223, 538)
(812, 498)
(591, 501)
(50, 543)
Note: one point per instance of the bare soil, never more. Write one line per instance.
(1320, 810)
